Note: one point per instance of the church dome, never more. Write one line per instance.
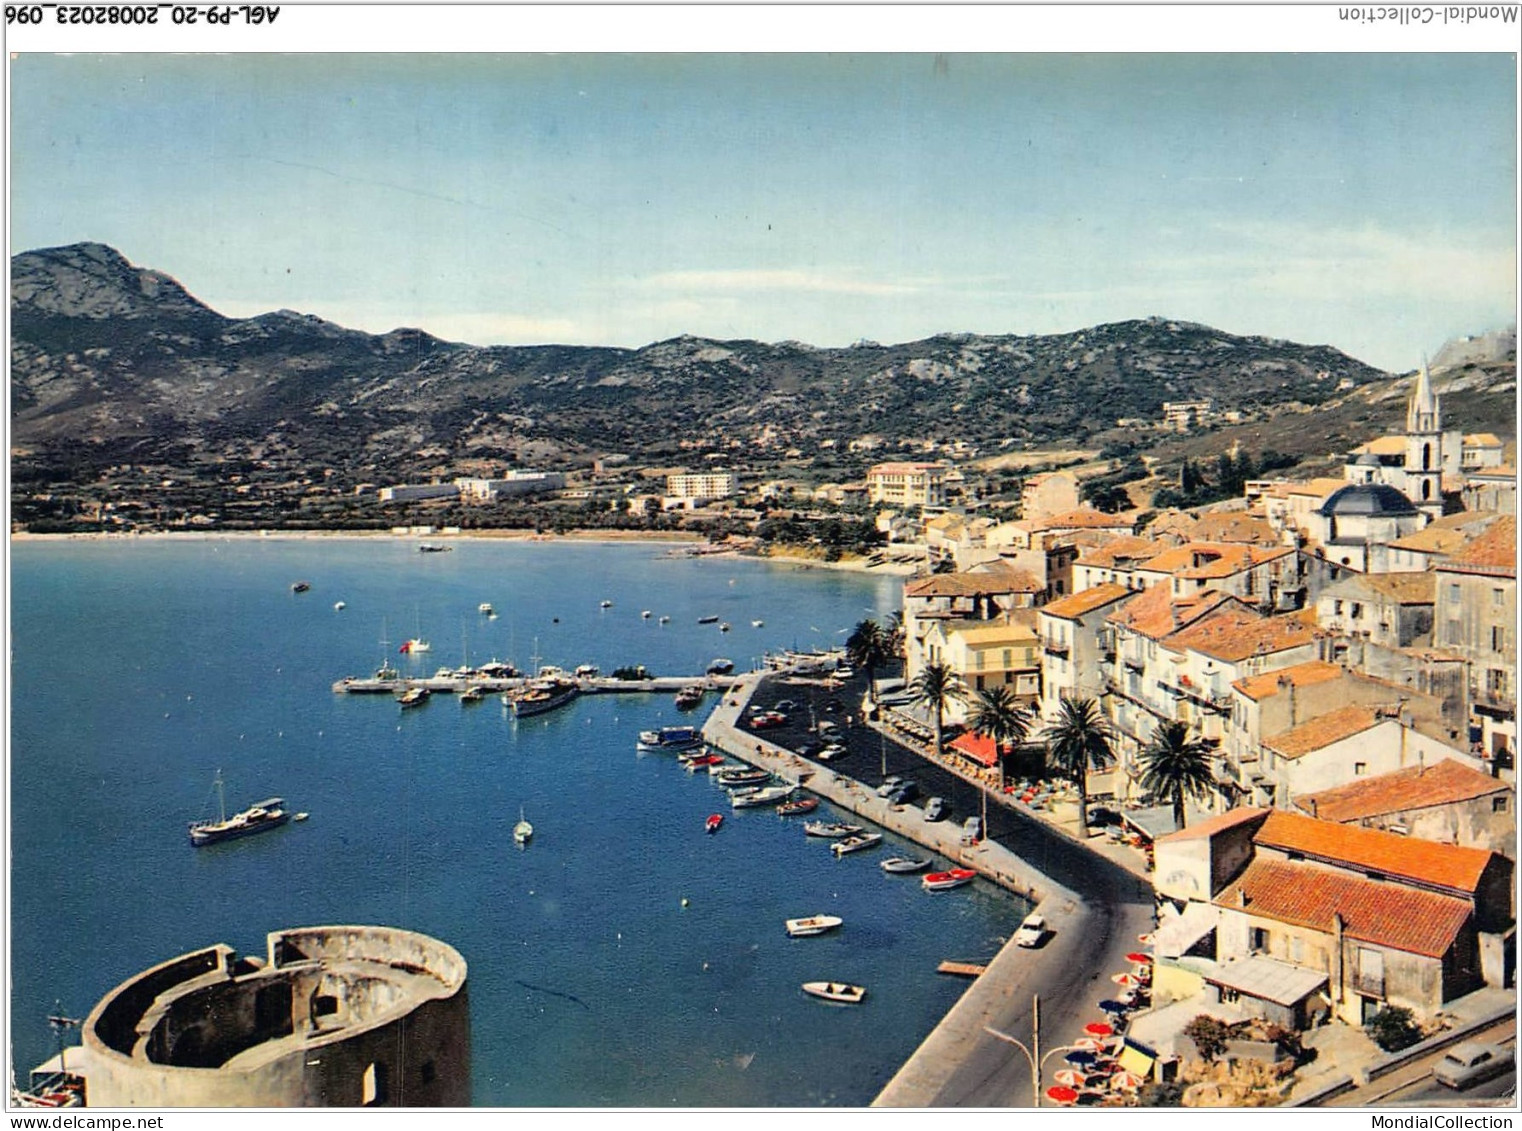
(1368, 459)
(1368, 500)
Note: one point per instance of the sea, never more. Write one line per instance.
(623, 959)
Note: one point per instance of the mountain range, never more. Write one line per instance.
(117, 363)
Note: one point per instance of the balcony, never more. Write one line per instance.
(1055, 648)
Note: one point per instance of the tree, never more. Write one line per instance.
(1175, 767)
(935, 688)
(995, 713)
(1209, 1035)
(1392, 1028)
(868, 647)
(1079, 740)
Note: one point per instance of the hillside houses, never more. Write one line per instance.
(1346, 653)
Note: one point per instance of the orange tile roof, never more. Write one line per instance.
(1402, 918)
(1235, 527)
(1084, 601)
(1415, 787)
(1212, 825)
(1494, 552)
(1407, 588)
(1154, 613)
(1235, 633)
(1082, 518)
(1424, 861)
(1125, 546)
(1431, 540)
(1259, 687)
(973, 584)
(1322, 731)
(1384, 446)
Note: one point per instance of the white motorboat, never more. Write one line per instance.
(669, 738)
(765, 796)
(485, 609)
(840, 992)
(813, 925)
(944, 881)
(904, 864)
(830, 829)
(856, 843)
(522, 831)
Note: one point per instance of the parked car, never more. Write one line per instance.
(935, 809)
(972, 830)
(904, 793)
(785, 705)
(844, 673)
(889, 785)
(768, 719)
(1031, 931)
(834, 705)
(1471, 1062)
(811, 747)
(833, 751)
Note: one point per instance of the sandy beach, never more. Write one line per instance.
(613, 537)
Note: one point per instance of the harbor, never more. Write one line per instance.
(621, 913)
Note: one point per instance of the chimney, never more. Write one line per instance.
(1242, 897)
(1313, 809)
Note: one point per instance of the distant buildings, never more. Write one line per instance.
(907, 484)
(702, 486)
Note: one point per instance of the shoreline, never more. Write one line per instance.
(673, 539)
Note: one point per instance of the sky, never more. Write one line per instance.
(1367, 201)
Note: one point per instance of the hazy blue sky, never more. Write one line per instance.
(1363, 200)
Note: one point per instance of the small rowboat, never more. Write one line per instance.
(813, 925)
(904, 864)
(943, 881)
(713, 822)
(703, 761)
(826, 829)
(835, 991)
(801, 805)
(855, 843)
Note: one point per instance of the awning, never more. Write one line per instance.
(1151, 823)
(1175, 936)
(1268, 980)
(1136, 1058)
(979, 747)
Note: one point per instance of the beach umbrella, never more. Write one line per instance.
(1139, 958)
(1111, 1006)
(1125, 979)
(1126, 1081)
(1081, 1057)
(1070, 1077)
(1089, 1044)
(1099, 1029)
(1063, 1095)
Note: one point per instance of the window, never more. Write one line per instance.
(373, 1088)
(1498, 803)
(1497, 638)
(1009, 654)
(1337, 606)
(1360, 768)
(1257, 938)
(1297, 949)
(1356, 611)
(1497, 597)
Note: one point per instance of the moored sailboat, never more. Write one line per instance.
(257, 818)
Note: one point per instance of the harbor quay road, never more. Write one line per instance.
(1094, 906)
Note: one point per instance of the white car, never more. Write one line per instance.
(1471, 1062)
(1031, 931)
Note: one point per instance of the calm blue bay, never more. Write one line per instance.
(140, 669)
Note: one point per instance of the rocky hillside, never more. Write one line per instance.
(115, 363)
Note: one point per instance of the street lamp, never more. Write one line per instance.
(1033, 1052)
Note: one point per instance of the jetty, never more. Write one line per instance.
(594, 685)
(961, 969)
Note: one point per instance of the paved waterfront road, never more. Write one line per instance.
(965, 1067)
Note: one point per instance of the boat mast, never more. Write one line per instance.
(221, 797)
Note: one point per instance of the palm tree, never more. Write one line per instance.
(868, 647)
(934, 688)
(1077, 741)
(998, 715)
(1175, 766)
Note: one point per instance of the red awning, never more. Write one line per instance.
(978, 747)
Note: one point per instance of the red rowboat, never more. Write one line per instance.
(941, 881)
(713, 822)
